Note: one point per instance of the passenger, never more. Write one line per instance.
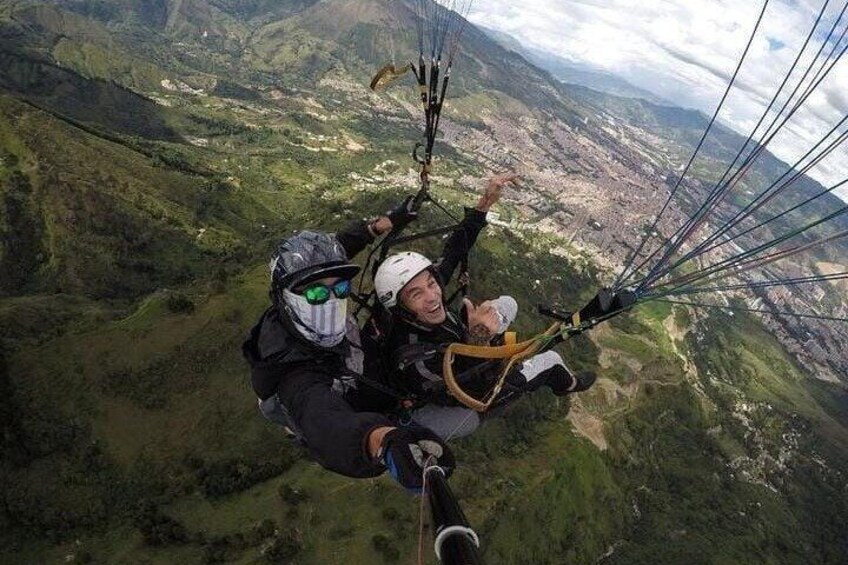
(420, 325)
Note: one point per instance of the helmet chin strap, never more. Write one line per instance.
(405, 313)
(294, 320)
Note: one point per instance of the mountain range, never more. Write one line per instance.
(153, 153)
(576, 73)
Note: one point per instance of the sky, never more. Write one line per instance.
(685, 51)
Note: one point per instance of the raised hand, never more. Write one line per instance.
(492, 193)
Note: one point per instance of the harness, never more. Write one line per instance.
(603, 306)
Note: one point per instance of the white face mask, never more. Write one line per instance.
(322, 324)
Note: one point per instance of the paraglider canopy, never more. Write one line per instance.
(439, 26)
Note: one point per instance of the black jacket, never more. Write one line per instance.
(460, 243)
(414, 351)
(416, 354)
(334, 423)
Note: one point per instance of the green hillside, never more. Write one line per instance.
(151, 156)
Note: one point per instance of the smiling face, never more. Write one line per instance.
(423, 297)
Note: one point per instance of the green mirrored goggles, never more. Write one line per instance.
(319, 294)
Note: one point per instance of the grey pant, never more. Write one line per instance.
(447, 422)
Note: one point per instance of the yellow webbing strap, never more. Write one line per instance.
(512, 353)
(575, 320)
(387, 75)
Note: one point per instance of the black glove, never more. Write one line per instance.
(403, 214)
(607, 302)
(406, 450)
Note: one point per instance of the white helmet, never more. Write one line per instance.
(394, 274)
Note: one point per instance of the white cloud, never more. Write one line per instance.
(686, 50)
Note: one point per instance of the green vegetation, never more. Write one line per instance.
(135, 220)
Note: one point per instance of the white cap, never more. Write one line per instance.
(394, 274)
(507, 309)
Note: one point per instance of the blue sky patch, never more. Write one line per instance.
(775, 44)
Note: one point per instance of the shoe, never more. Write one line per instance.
(548, 369)
(562, 382)
(585, 379)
